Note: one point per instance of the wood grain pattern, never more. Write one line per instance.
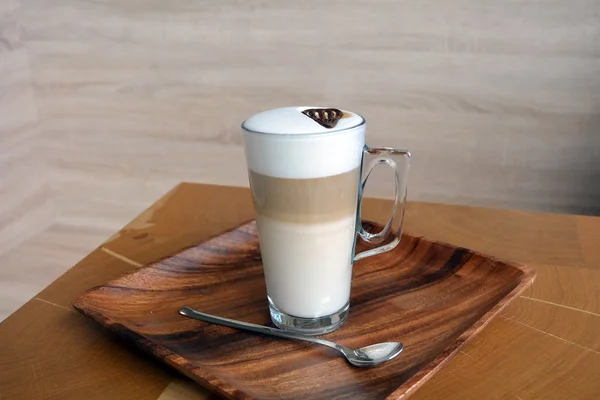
(510, 360)
(433, 297)
(545, 350)
(498, 100)
(26, 206)
(25, 199)
(33, 265)
(186, 389)
(98, 362)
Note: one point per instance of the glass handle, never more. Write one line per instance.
(386, 155)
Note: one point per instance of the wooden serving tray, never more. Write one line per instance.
(431, 296)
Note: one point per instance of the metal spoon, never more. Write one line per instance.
(368, 356)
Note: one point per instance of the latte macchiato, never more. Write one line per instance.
(304, 166)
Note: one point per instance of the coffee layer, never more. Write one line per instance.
(305, 200)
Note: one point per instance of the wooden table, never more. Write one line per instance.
(545, 345)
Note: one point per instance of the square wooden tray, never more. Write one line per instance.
(431, 296)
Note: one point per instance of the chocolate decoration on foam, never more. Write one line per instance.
(327, 117)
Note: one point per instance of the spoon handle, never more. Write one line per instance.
(232, 323)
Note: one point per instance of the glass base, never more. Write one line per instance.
(308, 326)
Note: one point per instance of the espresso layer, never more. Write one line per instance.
(305, 200)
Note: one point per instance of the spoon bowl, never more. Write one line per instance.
(368, 356)
(372, 355)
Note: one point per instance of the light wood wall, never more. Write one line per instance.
(25, 198)
(499, 101)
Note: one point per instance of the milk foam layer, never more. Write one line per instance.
(308, 267)
(305, 153)
(291, 121)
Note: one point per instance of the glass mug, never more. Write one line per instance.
(305, 166)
